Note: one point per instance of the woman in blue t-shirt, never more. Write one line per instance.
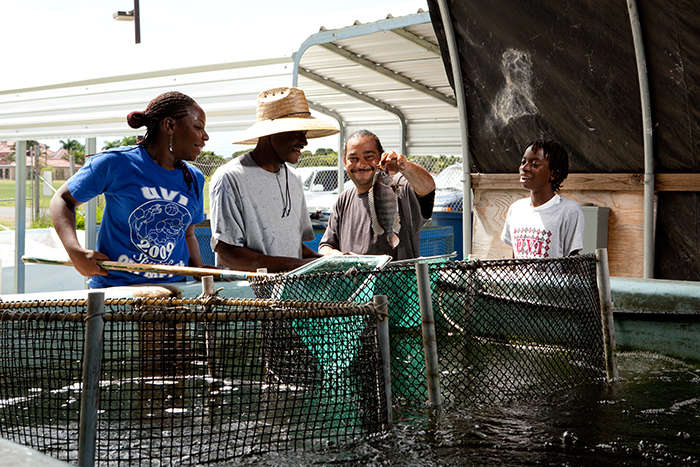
(153, 196)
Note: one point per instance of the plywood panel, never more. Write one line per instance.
(625, 225)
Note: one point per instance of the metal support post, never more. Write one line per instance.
(606, 312)
(453, 51)
(91, 206)
(36, 181)
(432, 369)
(209, 328)
(92, 363)
(20, 211)
(382, 308)
(648, 137)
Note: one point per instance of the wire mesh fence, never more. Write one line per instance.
(192, 381)
(319, 174)
(505, 329)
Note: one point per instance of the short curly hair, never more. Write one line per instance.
(558, 159)
(361, 134)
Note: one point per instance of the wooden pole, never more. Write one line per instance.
(606, 315)
(160, 268)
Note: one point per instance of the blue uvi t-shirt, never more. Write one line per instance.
(147, 212)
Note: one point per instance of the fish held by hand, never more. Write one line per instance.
(384, 207)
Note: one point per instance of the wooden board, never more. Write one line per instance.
(625, 224)
(595, 181)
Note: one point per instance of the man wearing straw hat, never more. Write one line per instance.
(257, 206)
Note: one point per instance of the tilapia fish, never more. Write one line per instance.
(384, 207)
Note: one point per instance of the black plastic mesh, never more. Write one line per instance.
(41, 348)
(193, 381)
(505, 329)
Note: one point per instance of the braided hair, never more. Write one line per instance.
(171, 104)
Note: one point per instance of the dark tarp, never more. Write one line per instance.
(565, 69)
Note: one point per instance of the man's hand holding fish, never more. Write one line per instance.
(383, 213)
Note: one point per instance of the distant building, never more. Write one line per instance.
(57, 161)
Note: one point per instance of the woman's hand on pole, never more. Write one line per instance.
(85, 262)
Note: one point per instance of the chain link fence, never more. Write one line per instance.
(319, 175)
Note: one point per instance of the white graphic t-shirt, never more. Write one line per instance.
(552, 230)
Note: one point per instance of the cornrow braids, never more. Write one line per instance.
(171, 104)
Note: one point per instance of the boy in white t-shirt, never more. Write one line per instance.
(545, 225)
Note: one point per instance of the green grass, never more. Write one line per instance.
(7, 192)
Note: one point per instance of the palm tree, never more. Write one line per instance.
(125, 141)
(76, 152)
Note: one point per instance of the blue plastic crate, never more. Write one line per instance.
(436, 240)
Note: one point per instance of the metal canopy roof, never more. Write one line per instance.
(98, 107)
(386, 76)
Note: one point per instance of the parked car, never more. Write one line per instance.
(448, 189)
(320, 185)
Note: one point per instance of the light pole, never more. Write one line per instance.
(132, 15)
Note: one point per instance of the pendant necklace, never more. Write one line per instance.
(286, 198)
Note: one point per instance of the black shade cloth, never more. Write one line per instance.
(565, 69)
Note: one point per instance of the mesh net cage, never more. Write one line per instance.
(192, 381)
(505, 329)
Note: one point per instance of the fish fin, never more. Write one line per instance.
(393, 240)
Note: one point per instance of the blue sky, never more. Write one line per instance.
(53, 41)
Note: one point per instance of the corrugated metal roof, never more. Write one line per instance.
(377, 76)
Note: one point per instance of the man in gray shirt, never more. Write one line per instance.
(349, 227)
(258, 212)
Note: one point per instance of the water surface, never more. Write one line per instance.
(651, 416)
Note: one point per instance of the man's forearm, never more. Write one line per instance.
(420, 179)
(307, 252)
(245, 259)
(327, 250)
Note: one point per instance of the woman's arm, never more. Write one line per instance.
(193, 247)
(62, 209)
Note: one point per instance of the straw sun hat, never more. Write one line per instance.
(284, 109)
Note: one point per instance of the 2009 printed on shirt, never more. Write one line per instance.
(156, 251)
